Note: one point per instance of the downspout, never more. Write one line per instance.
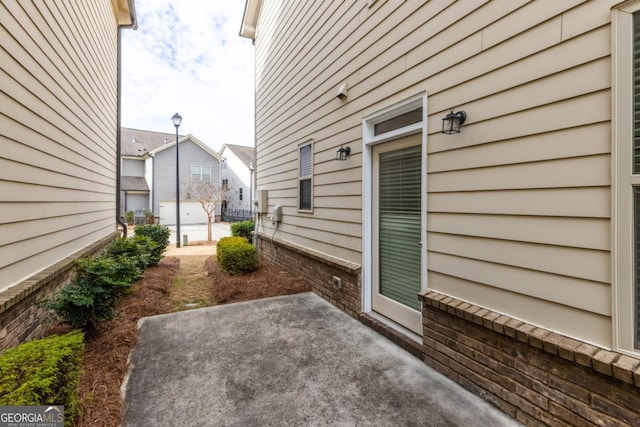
(133, 25)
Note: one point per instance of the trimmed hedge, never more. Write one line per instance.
(236, 255)
(243, 229)
(43, 372)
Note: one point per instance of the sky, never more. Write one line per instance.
(187, 57)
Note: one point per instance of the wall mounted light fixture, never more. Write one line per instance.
(451, 123)
(343, 153)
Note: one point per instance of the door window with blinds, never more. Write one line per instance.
(305, 177)
(400, 225)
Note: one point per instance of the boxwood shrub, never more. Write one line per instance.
(43, 372)
(243, 229)
(236, 255)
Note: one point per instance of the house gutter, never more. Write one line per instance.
(133, 25)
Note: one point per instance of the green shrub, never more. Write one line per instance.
(159, 234)
(83, 305)
(243, 229)
(91, 296)
(43, 372)
(139, 248)
(117, 271)
(236, 255)
(100, 281)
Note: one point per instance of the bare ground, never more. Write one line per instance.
(177, 283)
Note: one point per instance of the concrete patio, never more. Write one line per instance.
(293, 360)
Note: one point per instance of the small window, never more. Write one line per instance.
(305, 183)
(195, 173)
(240, 193)
(225, 184)
(397, 122)
(201, 173)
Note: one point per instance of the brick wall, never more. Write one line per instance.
(532, 374)
(20, 317)
(319, 269)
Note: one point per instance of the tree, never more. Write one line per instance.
(209, 195)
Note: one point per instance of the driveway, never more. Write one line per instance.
(198, 232)
(294, 360)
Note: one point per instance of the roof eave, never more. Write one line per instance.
(250, 19)
(125, 12)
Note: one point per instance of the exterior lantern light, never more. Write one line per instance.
(451, 123)
(343, 153)
(177, 119)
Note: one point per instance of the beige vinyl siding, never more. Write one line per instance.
(58, 103)
(518, 203)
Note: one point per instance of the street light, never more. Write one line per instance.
(177, 119)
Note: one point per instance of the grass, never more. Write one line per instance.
(191, 288)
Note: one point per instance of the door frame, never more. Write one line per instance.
(369, 140)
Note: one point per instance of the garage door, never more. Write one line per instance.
(190, 213)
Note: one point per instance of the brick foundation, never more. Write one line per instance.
(534, 375)
(20, 317)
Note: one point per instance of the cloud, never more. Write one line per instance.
(187, 57)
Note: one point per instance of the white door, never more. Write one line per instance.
(397, 253)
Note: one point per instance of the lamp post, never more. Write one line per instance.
(251, 169)
(177, 119)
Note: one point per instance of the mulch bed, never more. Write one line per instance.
(106, 353)
(268, 281)
(105, 359)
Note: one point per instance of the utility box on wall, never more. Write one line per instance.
(261, 202)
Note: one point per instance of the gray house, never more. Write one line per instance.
(135, 191)
(148, 174)
(198, 162)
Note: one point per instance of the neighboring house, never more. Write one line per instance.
(236, 176)
(59, 90)
(503, 255)
(149, 177)
(198, 162)
(135, 191)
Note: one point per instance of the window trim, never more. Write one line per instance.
(201, 174)
(306, 177)
(369, 140)
(622, 279)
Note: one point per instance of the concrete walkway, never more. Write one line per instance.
(286, 361)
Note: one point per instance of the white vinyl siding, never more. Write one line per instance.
(58, 102)
(535, 80)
